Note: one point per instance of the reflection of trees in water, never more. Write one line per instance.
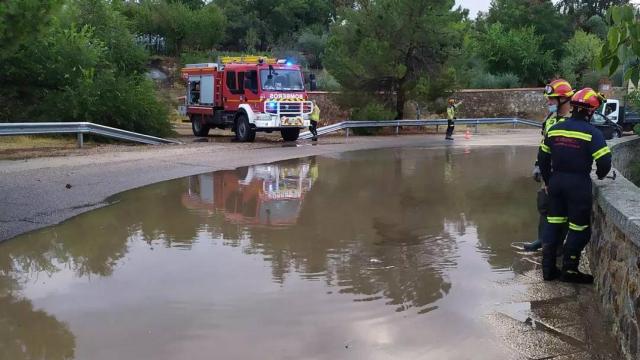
(26, 333)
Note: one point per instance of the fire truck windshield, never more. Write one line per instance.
(281, 80)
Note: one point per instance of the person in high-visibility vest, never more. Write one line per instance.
(558, 94)
(451, 117)
(565, 158)
(315, 118)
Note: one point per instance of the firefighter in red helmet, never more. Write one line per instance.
(565, 158)
(558, 94)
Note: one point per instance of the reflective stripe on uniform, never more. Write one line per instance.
(575, 227)
(602, 152)
(557, 219)
(570, 134)
(545, 148)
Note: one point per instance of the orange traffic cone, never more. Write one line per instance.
(467, 135)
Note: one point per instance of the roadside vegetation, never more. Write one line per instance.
(87, 60)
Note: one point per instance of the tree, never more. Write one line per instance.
(596, 25)
(547, 23)
(585, 9)
(580, 55)
(517, 51)
(623, 42)
(388, 46)
(261, 24)
(21, 21)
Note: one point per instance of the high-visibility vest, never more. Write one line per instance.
(451, 112)
(315, 114)
(552, 121)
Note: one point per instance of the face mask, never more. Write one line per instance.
(552, 108)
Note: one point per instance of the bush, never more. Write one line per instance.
(485, 80)
(371, 111)
(326, 82)
(127, 103)
(636, 129)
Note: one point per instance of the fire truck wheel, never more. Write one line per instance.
(290, 134)
(244, 132)
(199, 129)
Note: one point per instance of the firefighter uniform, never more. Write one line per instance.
(314, 118)
(559, 91)
(451, 117)
(565, 159)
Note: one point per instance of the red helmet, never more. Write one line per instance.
(558, 88)
(587, 98)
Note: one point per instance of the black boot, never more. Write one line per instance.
(570, 272)
(533, 246)
(549, 269)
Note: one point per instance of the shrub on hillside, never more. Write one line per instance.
(371, 111)
(485, 80)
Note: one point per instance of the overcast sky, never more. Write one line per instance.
(483, 5)
(474, 6)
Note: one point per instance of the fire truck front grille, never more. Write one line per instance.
(288, 107)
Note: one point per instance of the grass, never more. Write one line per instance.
(35, 142)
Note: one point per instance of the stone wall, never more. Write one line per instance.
(614, 250)
(525, 103)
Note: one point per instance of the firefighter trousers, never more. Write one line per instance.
(313, 128)
(542, 202)
(450, 127)
(570, 201)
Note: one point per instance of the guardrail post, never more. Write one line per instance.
(397, 130)
(476, 130)
(80, 140)
(515, 123)
(437, 128)
(347, 132)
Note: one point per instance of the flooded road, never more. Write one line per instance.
(385, 254)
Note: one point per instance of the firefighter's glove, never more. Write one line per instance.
(537, 175)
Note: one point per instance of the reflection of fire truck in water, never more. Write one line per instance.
(269, 194)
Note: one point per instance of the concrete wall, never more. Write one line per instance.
(614, 250)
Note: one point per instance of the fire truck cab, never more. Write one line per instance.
(247, 95)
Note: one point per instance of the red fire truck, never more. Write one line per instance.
(247, 94)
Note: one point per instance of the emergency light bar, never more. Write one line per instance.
(247, 60)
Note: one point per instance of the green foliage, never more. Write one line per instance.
(181, 24)
(623, 42)
(111, 28)
(485, 80)
(517, 51)
(259, 25)
(386, 46)
(312, 44)
(580, 57)
(22, 21)
(84, 67)
(550, 27)
(584, 9)
(636, 129)
(597, 26)
(326, 82)
(371, 111)
(124, 102)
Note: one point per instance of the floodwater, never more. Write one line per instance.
(386, 254)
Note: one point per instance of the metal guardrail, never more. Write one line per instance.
(346, 125)
(80, 128)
